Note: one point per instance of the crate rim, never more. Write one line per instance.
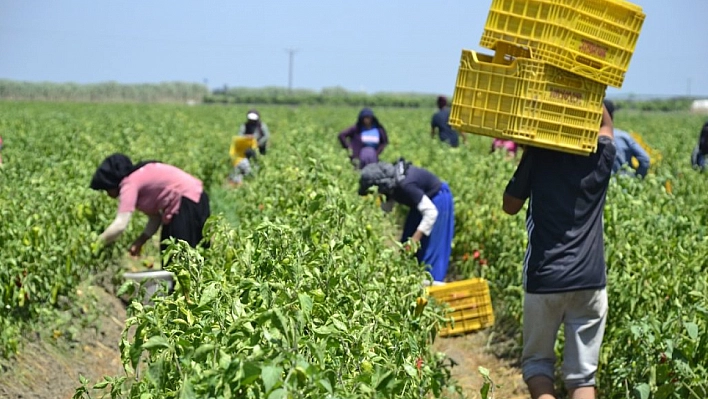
(456, 284)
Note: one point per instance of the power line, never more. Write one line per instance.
(291, 56)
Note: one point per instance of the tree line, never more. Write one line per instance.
(199, 93)
(326, 96)
(103, 92)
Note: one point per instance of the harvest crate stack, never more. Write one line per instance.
(470, 305)
(545, 83)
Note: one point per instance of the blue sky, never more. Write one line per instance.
(368, 45)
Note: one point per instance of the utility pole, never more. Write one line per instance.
(689, 87)
(291, 56)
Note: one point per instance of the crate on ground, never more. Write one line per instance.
(592, 38)
(470, 305)
(512, 96)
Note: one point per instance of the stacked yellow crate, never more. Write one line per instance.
(469, 305)
(545, 83)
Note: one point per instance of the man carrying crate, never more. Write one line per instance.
(564, 267)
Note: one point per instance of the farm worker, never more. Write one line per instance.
(366, 139)
(242, 150)
(440, 123)
(698, 157)
(564, 268)
(255, 127)
(170, 197)
(431, 218)
(507, 145)
(627, 148)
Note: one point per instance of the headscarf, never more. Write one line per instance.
(383, 175)
(113, 170)
(379, 174)
(253, 126)
(253, 115)
(363, 114)
(442, 102)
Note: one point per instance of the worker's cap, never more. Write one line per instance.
(252, 116)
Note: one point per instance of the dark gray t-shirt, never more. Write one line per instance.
(417, 183)
(565, 217)
(446, 132)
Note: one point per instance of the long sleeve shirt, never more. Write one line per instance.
(262, 134)
(416, 191)
(351, 138)
(626, 149)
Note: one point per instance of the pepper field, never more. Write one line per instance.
(304, 292)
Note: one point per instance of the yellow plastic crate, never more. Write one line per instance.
(470, 305)
(654, 155)
(592, 38)
(526, 100)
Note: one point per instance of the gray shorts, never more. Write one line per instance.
(583, 314)
(243, 168)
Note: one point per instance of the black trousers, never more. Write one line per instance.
(188, 223)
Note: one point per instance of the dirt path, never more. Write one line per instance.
(470, 352)
(50, 370)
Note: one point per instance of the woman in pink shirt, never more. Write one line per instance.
(508, 145)
(170, 197)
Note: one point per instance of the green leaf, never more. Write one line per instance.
(187, 392)
(224, 360)
(642, 391)
(664, 391)
(157, 341)
(339, 325)
(365, 388)
(692, 330)
(101, 384)
(271, 375)
(636, 331)
(484, 372)
(127, 288)
(324, 383)
(209, 294)
(203, 350)
(156, 372)
(251, 372)
(305, 304)
(410, 370)
(277, 394)
(484, 391)
(325, 330)
(384, 381)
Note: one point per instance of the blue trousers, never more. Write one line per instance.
(436, 248)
